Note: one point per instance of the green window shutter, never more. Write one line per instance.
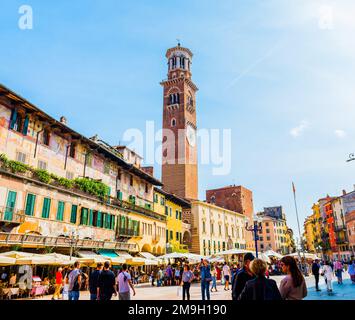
(30, 204)
(74, 209)
(176, 214)
(25, 126)
(91, 217)
(171, 235)
(180, 215)
(84, 216)
(166, 211)
(167, 235)
(46, 208)
(99, 219)
(60, 211)
(13, 118)
(104, 220)
(113, 222)
(10, 205)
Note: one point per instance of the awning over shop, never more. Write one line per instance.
(90, 258)
(108, 253)
(7, 261)
(148, 255)
(125, 255)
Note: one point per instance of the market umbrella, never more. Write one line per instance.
(116, 261)
(136, 261)
(7, 261)
(272, 253)
(34, 260)
(58, 259)
(174, 255)
(307, 255)
(17, 254)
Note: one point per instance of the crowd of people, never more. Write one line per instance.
(328, 269)
(103, 283)
(249, 282)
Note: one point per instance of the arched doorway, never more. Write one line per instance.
(159, 250)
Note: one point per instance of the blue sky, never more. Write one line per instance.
(279, 73)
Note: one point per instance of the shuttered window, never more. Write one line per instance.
(84, 216)
(60, 211)
(73, 214)
(30, 204)
(46, 208)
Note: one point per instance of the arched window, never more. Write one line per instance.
(173, 122)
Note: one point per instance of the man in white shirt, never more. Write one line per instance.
(227, 275)
(124, 284)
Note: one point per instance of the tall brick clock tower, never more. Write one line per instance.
(179, 165)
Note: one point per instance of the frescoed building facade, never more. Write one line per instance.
(56, 183)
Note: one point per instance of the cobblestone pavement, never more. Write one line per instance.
(147, 292)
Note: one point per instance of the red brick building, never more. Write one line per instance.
(350, 226)
(234, 198)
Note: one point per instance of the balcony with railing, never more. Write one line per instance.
(48, 241)
(9, 215)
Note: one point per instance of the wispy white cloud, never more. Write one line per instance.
(340, 133)
(297, 131)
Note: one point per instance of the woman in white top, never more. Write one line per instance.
(327, 272)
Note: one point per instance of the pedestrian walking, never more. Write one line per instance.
(243, 276)
(58, 284)
(206, 278)
(214, 277)
(351, 271)
(94, 281)
(125, 284)
(169, 275)
(327, 272)
(74, 281)
(293, 286)
(227, 275)
(106, 283)
(187, 277)
(177, 275)
(315, 272)
(160, 277)
(338, 268)
(260, 288)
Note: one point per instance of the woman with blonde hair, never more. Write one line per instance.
(260, 288)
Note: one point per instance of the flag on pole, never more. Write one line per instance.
(293, 187)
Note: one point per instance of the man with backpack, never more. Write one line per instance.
(124, 284)
(74, 279)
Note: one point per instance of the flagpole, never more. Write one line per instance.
(298, 224)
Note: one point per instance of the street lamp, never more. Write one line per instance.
(72, 240)
(255, 228)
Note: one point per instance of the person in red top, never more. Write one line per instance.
(218, 273)
(58, 284)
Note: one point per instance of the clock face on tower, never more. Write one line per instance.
(191, 135)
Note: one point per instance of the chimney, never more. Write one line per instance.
(63, 120)
(344, 192)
